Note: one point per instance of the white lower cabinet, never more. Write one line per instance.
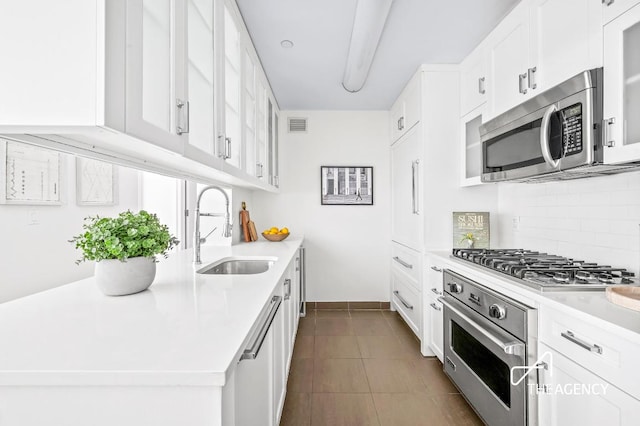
(433, 314)
(259, 384)
(573, 395)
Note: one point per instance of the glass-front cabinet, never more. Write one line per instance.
(231, 136)
(471, 147)
(622, 83)
(156, 92)
(201, 75)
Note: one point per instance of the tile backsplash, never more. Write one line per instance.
(595, 219)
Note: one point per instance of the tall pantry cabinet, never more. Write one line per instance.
(426, 126)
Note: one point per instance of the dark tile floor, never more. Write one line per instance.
(361, 368)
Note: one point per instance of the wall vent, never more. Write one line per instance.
(297, 125)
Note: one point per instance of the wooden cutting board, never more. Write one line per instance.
(628, 297)
(252, 231)
(244, 222)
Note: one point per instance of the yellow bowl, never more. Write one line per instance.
(275, 237)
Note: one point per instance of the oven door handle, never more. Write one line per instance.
(511, 347)
(544, 137)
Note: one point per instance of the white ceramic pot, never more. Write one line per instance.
(117, 278)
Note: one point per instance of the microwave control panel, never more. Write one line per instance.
(572, 129)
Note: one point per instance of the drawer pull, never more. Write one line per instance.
(435, 290)
(403, 263)
(404, 302)
(436, 307)
(435, 268)
(573, 339)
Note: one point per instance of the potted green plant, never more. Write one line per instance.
(124, 249)
(469, 239)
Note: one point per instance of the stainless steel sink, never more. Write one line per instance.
(237, 267)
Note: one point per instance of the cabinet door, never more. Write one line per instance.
(279, 363)
(273, 144)
(156, 77)
(569, 403)
(473, 81)
(232, 135)
(471, 148)
(508, 47)
(559, 52)
(249, 92)
(396, 117)
(622, 87)
(614, 8)
(201, 75)
(262, 123)
(432, 290)
(412, 102)
(406, 183)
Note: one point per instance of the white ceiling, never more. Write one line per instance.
(309, 75)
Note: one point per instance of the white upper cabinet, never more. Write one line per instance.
(231, 135)
(534, 48)
(473, 80)
(405, 112)
(508, 56)
(614, 8)
(136, 82)
(622, 87)
(471, 147)
(201, 75)
(157, 108)
(560, 51)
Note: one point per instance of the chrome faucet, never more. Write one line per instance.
(226, 231)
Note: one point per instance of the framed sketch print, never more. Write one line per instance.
(96, 183)
(31, 174)
(346, 186)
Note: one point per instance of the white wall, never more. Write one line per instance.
(594, 219)
(35, 254)
(347, 247)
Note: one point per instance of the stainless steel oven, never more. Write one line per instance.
(486, 335)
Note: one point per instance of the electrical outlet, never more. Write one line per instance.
(33, 217)
(516, 223)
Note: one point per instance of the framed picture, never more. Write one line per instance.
(346, 186)
(96, 183)
(471, 230)
(31, 175)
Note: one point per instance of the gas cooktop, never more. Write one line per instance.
(547, 271)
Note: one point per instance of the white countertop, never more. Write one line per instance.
(186, 329)
(591, 306)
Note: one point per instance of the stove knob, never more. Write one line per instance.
(497, 312)
(454, 288)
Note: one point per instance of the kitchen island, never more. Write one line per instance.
(167, 355)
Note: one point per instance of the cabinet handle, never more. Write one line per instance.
(573, 339)
(415, 175)
(607, 2)
(435, 290)
(435, 268)
(254, 349)
(297, 264)
(287, 283)
(606, 129)
(227, 148)
(530, 77)
(403, 263)
(436, 307)
(259, 170)
(522, 83)
(481, 86)
(401, 123)
(404, 302)
(183, 110)
(276, 181)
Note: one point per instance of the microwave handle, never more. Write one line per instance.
(544, 137)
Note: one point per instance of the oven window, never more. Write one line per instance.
(521, 147)
(489, 368)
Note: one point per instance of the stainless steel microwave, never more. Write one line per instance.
(554, 135)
